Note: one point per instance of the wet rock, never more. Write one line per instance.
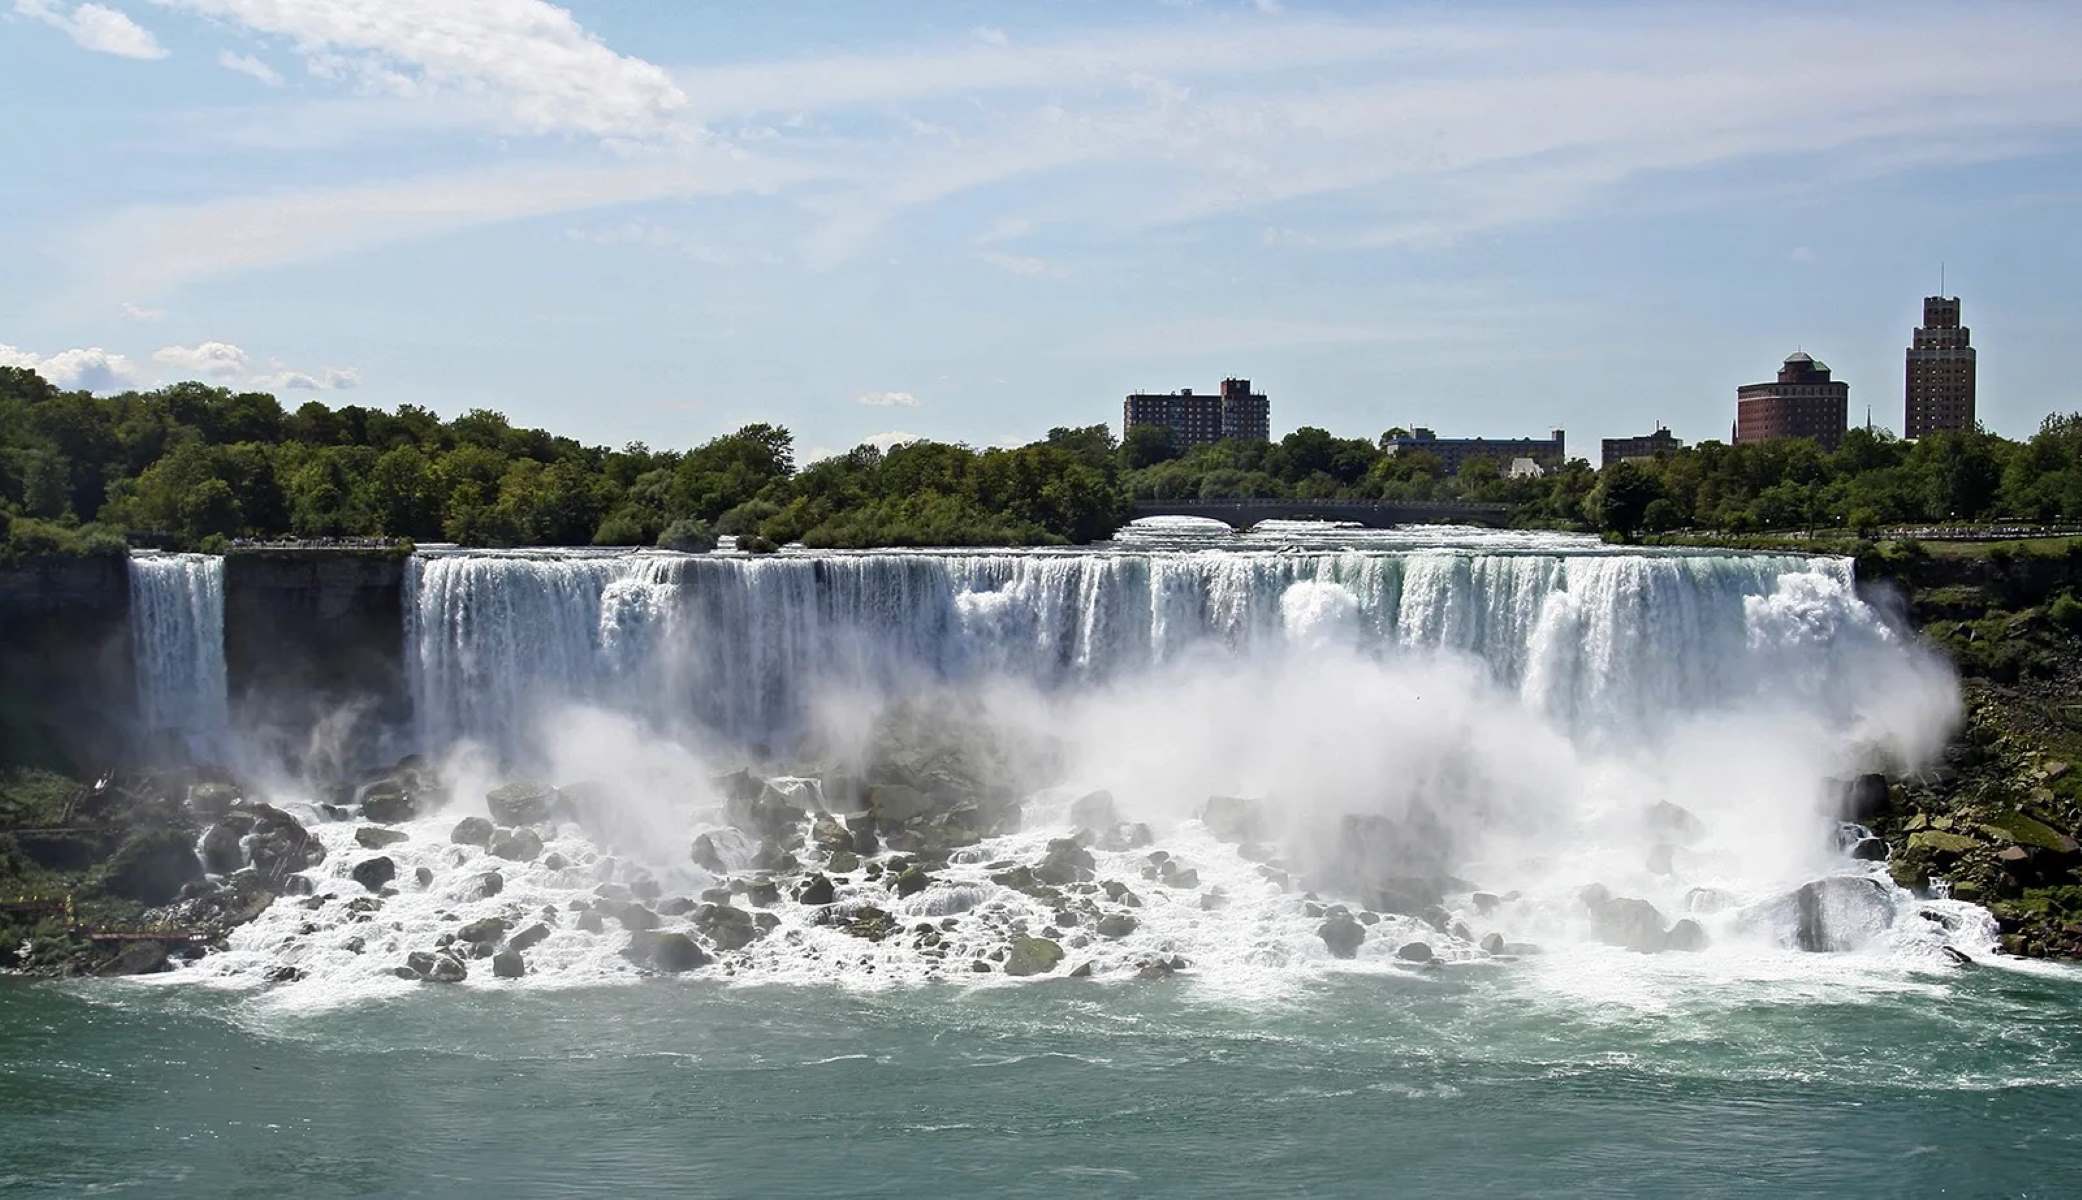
(1870, 849)
(516, 845)
(1403, 895)
(1095, 811)
(677, 906)
(726, 926)
(223, 850)
(423, 876)
(894, 804)
(1236, 818)
(762, 893)
(818, 890)
(508, 964)
(488, 931)
(590, 921)
(386, 802)
(151, 868)
(707, 857)
(482, 886)
(1185, 877)
(374, 873)
(1065, 862)
(419, 963)
(210, 801)
(523, 802)
(1958, 958)
(1116, 925)
(1033, 956)
(1627, 922)
(676, 952)
(636, 918)
(1414, 952)
(912, 881)
(862, 827)
(136, 958)
(472, 831)
(1341, 934)
(1842, 912)
(1865, 799)
(369, 837)
(843, 862)
(1082, 970)
(529, 938)
(1685, 935)
(447, 968)
(1673, 822)
(772, 857)
(1492, 943)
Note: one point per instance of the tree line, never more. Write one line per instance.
(194, 466)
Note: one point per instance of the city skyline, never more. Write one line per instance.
(975, 223)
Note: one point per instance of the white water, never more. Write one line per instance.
(1606, 645)
(177, 643)
(1534, 694)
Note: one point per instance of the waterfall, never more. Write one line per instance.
(177, 643)
(1593, 640)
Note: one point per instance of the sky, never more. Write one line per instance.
(974, 221)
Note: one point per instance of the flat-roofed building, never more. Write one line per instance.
(1648, 445)
(1455, 453)
(1200, 419)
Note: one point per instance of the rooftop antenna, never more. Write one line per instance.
(1941, 277)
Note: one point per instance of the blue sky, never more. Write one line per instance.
(972, 221)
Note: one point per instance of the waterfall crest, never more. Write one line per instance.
(1594, 641)
(177, 640)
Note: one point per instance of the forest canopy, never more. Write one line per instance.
(189, 465)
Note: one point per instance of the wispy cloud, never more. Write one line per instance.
(249, 66)
(887, 400)
(95, 27)
(218, 360)
(548, 70)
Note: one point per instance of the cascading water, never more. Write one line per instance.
(1511, 726)
(177, 642)
(1598, 642)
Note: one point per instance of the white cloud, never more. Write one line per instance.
(95, 27)
(92, 368)
(218, 360)
(887, 399)
(1022, 264)
(246, 64)
(138, 312)
(551, 75)
(329, 379)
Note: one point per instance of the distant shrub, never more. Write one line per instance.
(688, 536)
(747, 517)
(2066, 612)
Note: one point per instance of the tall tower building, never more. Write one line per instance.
(1940, 383)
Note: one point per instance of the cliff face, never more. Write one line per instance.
(312, 638)
(68, 691)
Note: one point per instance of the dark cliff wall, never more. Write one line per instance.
(67, 694)
(314, 646)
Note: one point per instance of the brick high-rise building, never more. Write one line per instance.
(1802, 402)
(1202, 419)
(1939, 390)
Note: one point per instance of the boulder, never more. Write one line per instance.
(898, 804)
(447, 968)
(726, 926)
(1869, 849)
(508, 964)
(482, 886)
(1673, 822)
(912, 881)
(472, 831)
(1492, 943)
(386, 802)
(374, 873)
(369, 837)
(136, 958)
(279, 844)
(1864, 799)
(1625, 921)
(210, 801)
(590, 921)
(529, 938)
(818, 890)
(843, 862)
(223, 850)
(676, 952)
(1067, 861)
(1414, 952)
(1685, 935)
(762, 893)
(1116, 925)
(707, 857)
(636, 918)
(1095, 811)
(487, 931)
(524, 802)
(1842, 912)
(1033, 956)
(1236, 818)
(516, 845)
(1341, 934)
